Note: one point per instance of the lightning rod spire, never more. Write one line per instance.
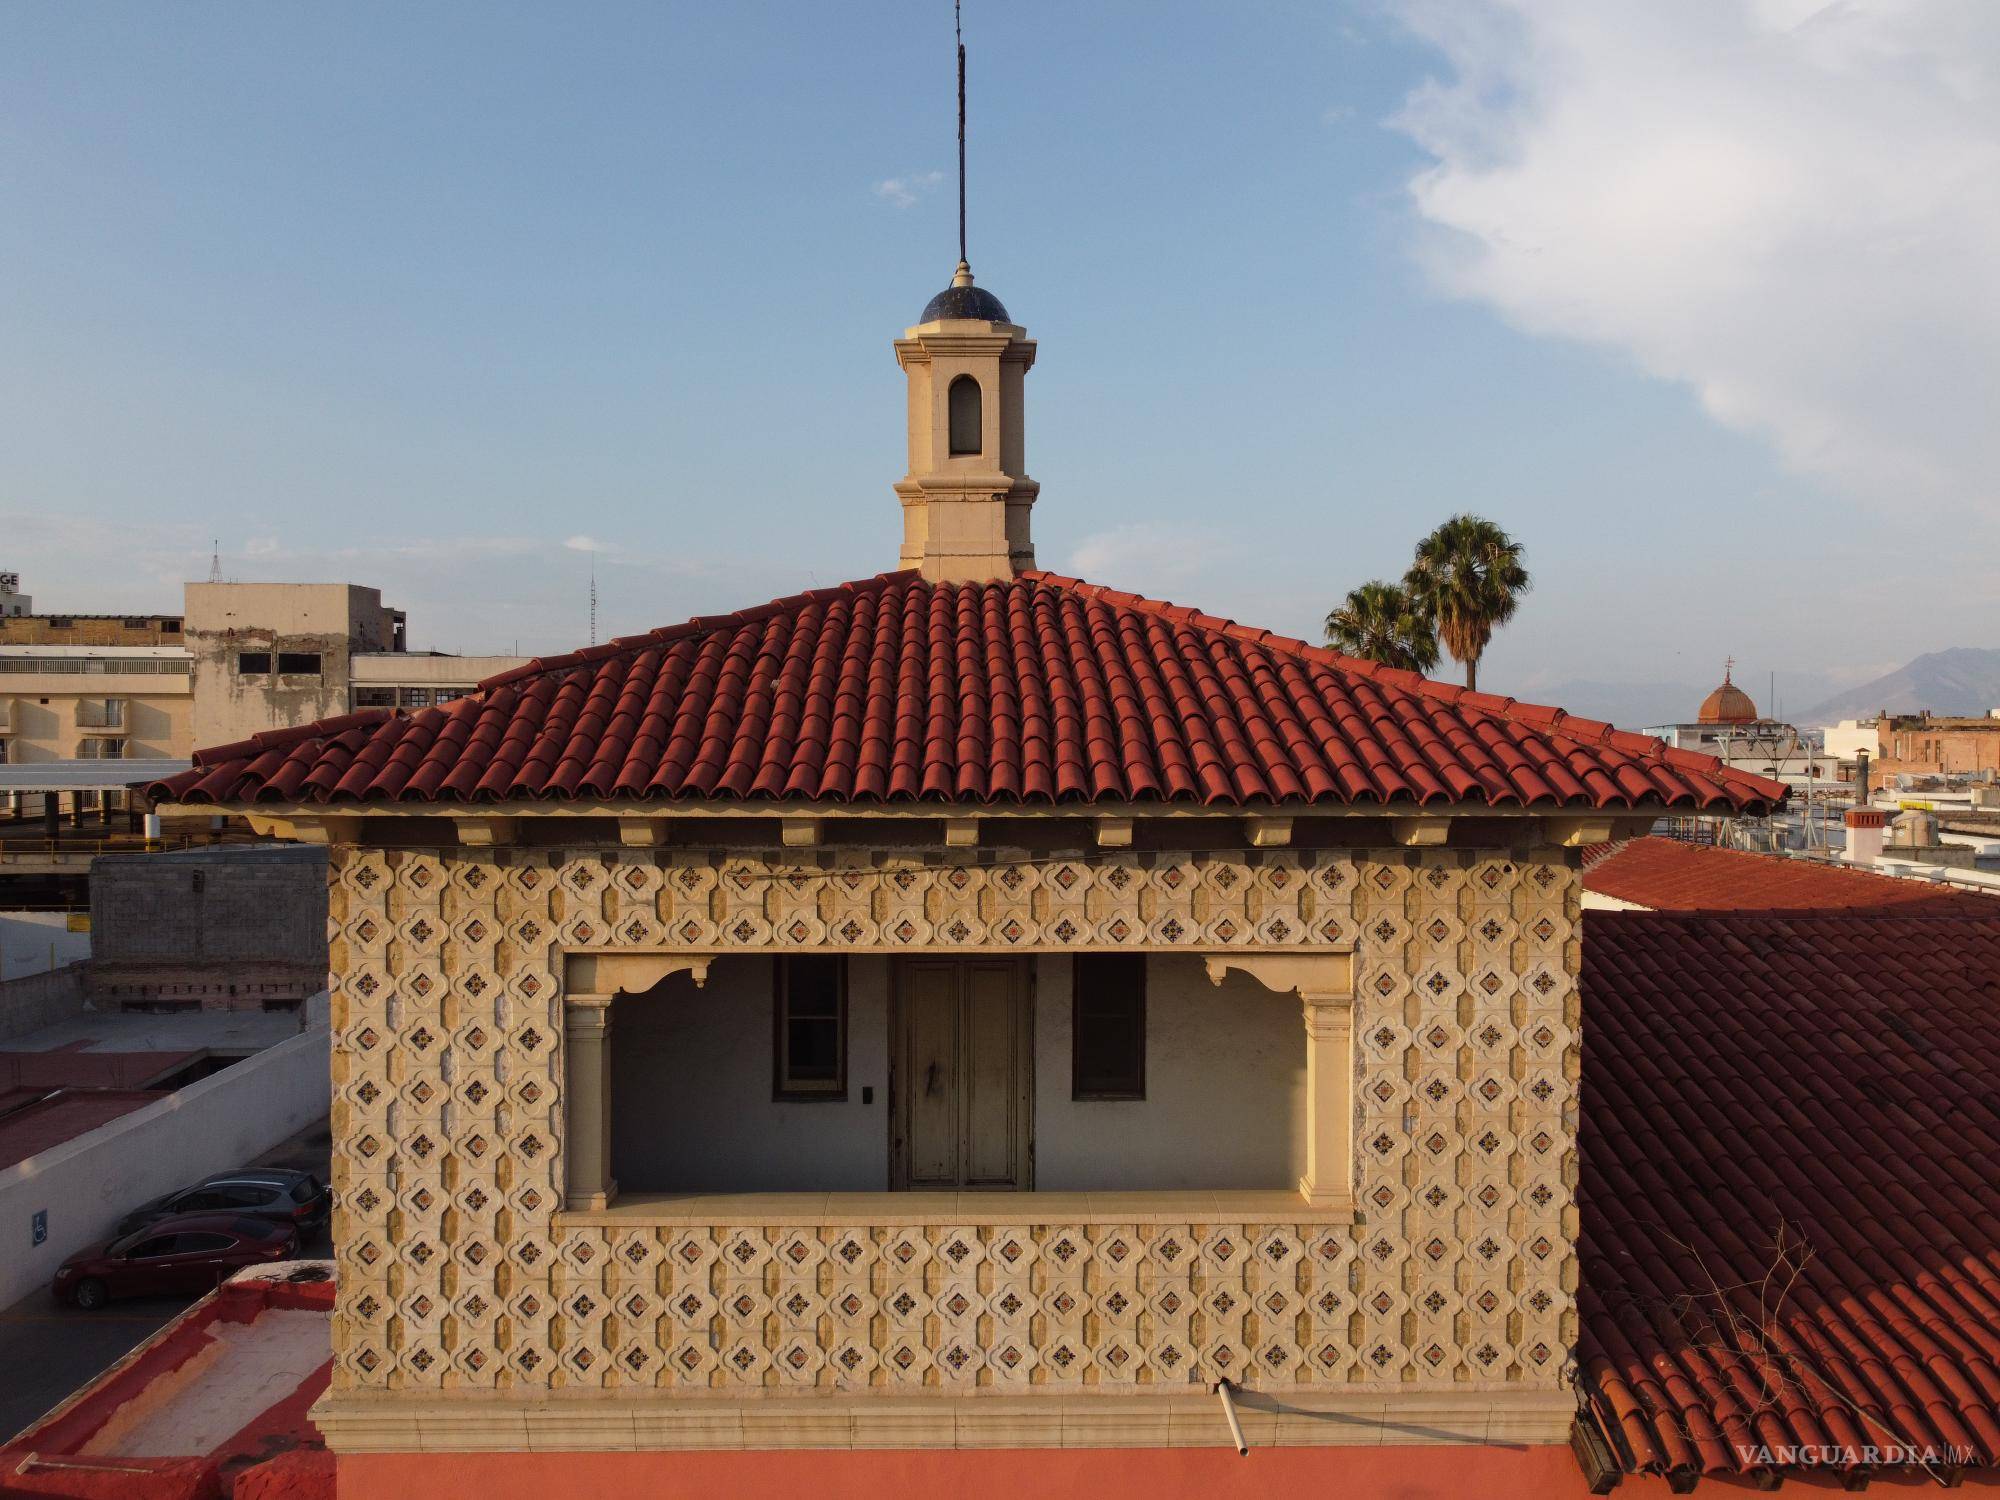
(958, 34)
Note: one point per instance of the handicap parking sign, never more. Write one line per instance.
(41, 1225)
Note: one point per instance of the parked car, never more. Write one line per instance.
(298, 1198)
(188, 1253)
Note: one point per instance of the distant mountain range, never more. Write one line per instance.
(1962, 680)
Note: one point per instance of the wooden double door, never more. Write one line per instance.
(963, 1087)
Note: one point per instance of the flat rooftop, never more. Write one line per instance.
(85, 775)
(40, 1124)
(234, 1032)
(218, 1394)
(85, 1070)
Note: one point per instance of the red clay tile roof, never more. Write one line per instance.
(1824, 1078)
(1668, 875)
(1041, 689)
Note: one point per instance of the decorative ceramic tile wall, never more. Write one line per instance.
(448, 1135)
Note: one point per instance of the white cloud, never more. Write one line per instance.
(585, 544)
(1792, 206)
(1151, 556)
(906, 190)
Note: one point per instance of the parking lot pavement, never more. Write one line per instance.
(47, 1349)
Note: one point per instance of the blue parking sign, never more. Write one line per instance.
(41, 1225)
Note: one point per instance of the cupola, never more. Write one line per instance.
(967, 495)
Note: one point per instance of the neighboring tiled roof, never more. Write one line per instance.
(1826, 1079)
(1042, 689)
(1668, 875)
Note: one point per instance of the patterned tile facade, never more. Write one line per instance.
(456, 1274)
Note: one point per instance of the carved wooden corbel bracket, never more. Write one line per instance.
(629, 973)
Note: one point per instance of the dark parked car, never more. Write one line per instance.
(259, 1192)
(186, 1253)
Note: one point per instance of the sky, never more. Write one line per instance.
(467, 300)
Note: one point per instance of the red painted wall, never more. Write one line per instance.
(1431, 1473)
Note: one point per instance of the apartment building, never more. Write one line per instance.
(240, 659)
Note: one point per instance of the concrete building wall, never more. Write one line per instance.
(89, 630)
(226, 620)
(246, 903)
(38, 1000)
(34, 942)
(1847, 739)
(420, 679)
(53, 702)
(219, 1122)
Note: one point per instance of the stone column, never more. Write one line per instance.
(587, 1139)
(1329, 1175)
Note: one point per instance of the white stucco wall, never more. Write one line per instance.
(1598, 901)
(33, 942)
(1225, 1088)
(692, 1108)
(1843, 741)
(691, 1105)
(219, 1122)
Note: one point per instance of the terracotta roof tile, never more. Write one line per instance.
(1789, 1233)
(1669, 875)
(1039, 690)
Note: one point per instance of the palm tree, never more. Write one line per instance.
(1468, 577)
(1379, 623)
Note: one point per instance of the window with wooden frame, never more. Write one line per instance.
(809, 1044)
(1108, 1026)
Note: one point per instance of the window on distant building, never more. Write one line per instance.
(100, 713)
(966, 418)
(137, 622)
(1108, 1030)
(298, 663)
(252, 662)
(416, 697)
(374, 697)
(100, 747)
(811, 1033)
